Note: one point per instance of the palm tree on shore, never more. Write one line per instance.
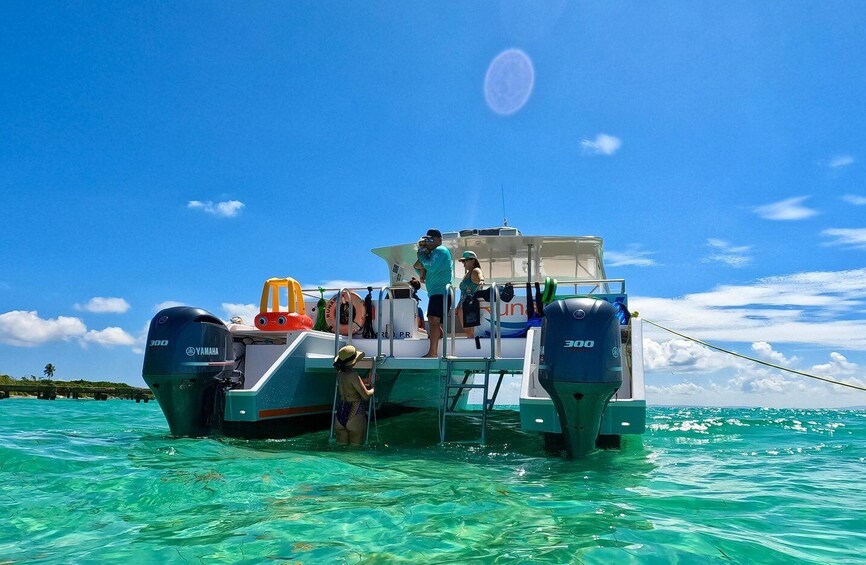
(49, 371)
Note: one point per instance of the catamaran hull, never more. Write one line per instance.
(190, 367)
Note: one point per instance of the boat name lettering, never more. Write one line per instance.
(158, 342)
(579, 344)
(397, 335)
(202, 351)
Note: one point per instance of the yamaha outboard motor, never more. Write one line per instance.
(187, 362)
(581, 366)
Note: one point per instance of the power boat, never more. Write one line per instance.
(566, 333)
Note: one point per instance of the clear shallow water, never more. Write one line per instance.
(85, 481)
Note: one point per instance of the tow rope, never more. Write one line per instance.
(760, 362)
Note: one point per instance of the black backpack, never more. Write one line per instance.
(471, 312)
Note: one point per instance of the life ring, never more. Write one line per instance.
(283, 321)
(332, 309)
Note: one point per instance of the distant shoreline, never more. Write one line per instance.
(50, 389)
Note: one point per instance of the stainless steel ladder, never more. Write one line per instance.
(449, 401)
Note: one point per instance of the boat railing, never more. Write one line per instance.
(347, 291)
(449, 322)
(495, 326)
(382, 292)
(595, 286)
(388, 289)
(337, 320)
(452, 314)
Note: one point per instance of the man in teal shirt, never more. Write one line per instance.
(435, 267)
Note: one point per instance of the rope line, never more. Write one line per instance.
(735, 354)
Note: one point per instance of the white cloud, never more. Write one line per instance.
(633, 256)
(765, 352)
(838, 366)
(724, 252)
(679, 389)
(761, 382)
(842, 370)
(108, 337)
(813, 308)
(602, 145)
(840, 161)
(141, 339)
(167, 304)
(750, 384)
(246, 311)
(685, 356)
(227, 209)
(855, 199)
(819, 309)
(853, 237)
(27, 329)
(103, 305)
(788, 209)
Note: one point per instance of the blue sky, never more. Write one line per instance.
(156, 152)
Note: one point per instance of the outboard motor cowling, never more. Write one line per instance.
(581, 366)
(186, 360)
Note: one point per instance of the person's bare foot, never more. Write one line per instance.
(429, 356)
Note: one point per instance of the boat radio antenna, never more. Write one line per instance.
(504, 217)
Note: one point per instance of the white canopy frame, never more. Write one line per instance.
(507, 258)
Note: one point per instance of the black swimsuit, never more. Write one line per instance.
(348, 408)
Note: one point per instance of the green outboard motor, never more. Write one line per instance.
(187, 361)
(581, 366)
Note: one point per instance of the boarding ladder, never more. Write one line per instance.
(371, 406)
(379, 358)
(471, 366)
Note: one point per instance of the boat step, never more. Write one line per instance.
(468, 359)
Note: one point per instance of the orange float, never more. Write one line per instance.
(277, 320)
(331, 311)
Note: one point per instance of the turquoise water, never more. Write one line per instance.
(85, 482)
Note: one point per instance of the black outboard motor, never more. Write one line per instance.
(581, 366)
(187, 361)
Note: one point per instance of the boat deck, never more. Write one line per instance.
(324, 363)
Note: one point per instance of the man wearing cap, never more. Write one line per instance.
(435, 267)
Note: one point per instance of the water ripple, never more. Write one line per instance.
(89, 481)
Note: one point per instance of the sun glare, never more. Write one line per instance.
(509, 81)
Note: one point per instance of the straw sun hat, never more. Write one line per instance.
(348, 356)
